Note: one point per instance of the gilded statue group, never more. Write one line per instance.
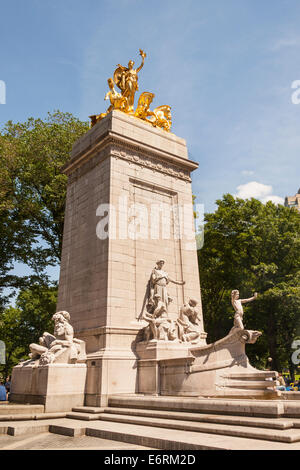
(186, 328)
(126, 79)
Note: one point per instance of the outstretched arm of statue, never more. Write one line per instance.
(244, 301)
(179, 283)
(143, 55)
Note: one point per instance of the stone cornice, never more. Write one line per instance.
(119, 147)
(112, 330)
(136, 142)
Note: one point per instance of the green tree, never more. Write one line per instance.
(32, 194)
(26, 322)
(252, 246)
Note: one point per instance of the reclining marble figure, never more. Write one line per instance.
(60, 347)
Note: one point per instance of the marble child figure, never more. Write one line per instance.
(160, 326)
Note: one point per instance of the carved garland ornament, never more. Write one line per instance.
(151, 163)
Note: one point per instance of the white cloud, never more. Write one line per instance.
(285, 42)
(275, 199)
(260, 191)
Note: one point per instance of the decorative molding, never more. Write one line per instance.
(143, 159)
(150, 162)
(112, 144)
(142, 184)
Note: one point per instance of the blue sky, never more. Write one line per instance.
(226, 67)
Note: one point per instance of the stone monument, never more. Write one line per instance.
(128, 180)
(129, 269)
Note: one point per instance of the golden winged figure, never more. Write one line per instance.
(126, 79)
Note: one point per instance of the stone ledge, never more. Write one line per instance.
(108, 138)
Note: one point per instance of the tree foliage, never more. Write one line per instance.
(26, 322)
(252, 246)
(32, 194)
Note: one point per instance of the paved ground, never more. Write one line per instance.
(49, 441)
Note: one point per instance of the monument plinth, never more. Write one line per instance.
(129, 180)
(55, 374)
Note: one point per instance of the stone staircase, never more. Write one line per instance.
(258, 384)
(174, 423)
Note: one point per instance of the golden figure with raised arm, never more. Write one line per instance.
(126, 78)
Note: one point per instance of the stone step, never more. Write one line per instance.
(249, 384)
(27, 417)
(287, 435)
(88, 409)
(83, 416)
(291, 395)
(243, 393)
(27, 427)
(174, 439)
(14, 409)
(271, 423)
(251, 375)
(156, 437)
(31, 427)
(237, 407)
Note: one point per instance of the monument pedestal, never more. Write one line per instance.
(131, 181)
(150, 353)
(112, 368)
(59, 387)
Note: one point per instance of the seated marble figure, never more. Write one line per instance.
(60, 347)
(189, 322)
(160, 327)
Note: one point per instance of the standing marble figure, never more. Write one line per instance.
(238, 307)
(158, 284)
